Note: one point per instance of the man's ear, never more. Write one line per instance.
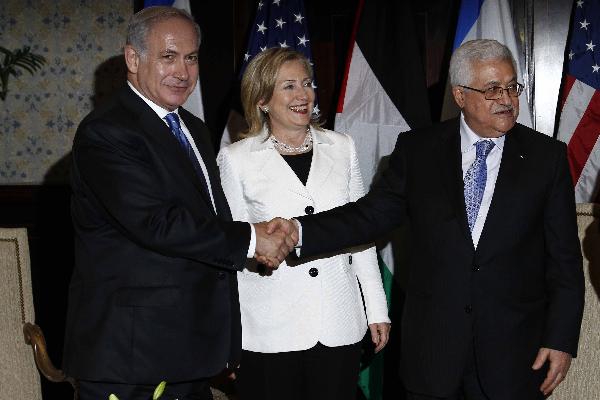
(459, 96)
(132, 59)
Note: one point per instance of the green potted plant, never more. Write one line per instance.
(21, 58)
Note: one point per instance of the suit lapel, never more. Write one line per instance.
(167, 145)
(275, 168)
(201, 137)
(503, 199)
(279, 172)
(322, 162)
(451, 167)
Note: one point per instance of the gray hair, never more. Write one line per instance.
(142, 22)
(461, 63)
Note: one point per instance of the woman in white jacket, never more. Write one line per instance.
(302, 323)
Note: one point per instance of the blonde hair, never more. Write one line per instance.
(258, 83)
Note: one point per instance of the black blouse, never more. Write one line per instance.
(300, 164)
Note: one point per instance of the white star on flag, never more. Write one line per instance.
(276, 2)
(302, 40)
(246, 57)
(260, 5)
(263, 48)
(262, 28)
(579, 126)
(299, 18)
(316, 110)
(284, 44)
(280, 23)
(590, 46)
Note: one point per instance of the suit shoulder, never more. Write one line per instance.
(427, 136)
(335, 138)
(334, 135)
(113, 113)
(537, 139)
(239, 148)
(111, 126)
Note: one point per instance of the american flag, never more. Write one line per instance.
(579, 124)
(278, 23)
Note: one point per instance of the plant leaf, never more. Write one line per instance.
(159, 390)
(13, 60)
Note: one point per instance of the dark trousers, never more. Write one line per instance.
(193, 390)
(470, 386)
(319, 373)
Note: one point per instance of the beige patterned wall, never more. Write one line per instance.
(80, 39)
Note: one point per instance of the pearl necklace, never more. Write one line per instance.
(306, 145)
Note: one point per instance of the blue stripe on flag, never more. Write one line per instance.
(467, 15)
(149, 3)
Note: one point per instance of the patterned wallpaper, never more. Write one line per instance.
(81, 41)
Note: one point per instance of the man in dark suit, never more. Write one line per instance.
(495, 291)
(154, 292)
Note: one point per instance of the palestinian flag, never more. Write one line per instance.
(380, 98)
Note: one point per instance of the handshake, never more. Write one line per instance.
(275, 240)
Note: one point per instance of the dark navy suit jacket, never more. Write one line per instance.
(521, 289)
(154, 291)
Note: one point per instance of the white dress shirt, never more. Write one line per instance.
(162, 113)
(468, 139)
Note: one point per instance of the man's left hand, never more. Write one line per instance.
(557, 371)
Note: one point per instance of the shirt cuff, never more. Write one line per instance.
(299, 227)
(299, 244)
(252, 246)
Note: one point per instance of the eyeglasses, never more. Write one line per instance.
(496, 92)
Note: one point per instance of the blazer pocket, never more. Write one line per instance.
(149, 296)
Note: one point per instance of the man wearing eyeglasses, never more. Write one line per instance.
(494, 297)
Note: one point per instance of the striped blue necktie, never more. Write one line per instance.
(173, 121)
(475, 179)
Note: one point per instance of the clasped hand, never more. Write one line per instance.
(274, 241)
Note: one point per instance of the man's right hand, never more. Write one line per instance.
(272, 248)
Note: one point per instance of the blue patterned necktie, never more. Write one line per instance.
(173, 121)
(475, 181)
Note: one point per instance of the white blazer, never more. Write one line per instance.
(289, 309)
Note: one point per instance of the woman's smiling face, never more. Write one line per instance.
(292, 101)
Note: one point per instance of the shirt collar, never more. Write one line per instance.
(161, 112)
(468, 138)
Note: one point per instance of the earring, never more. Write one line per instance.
(265, 109)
